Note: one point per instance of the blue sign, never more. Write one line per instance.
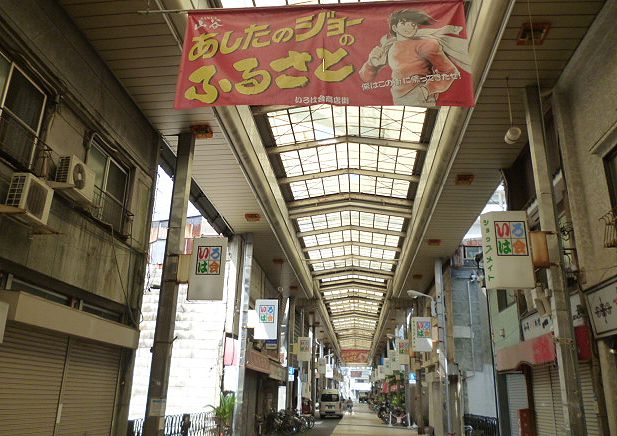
(412, 378)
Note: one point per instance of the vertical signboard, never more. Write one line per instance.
(380, 372)
(322, 365)
(207, 275)
(402, 346)
(421, 334)
(304, 351)
(329, 370)
(506, 250)
(267, 316)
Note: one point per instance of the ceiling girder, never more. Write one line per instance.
(353, 283)
(419, 146)
(348, 171)
(353, 270)
(352, 256)
(348, 244)
(353, 313)
(369, 199)
(351, 206)
(350, 227)
(349, 297)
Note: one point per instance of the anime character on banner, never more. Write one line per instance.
(425, 62)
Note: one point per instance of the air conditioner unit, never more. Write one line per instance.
(31, 194)
(78, 177)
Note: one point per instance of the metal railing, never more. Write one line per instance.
(109, 210)
(22, 146)
(188, 424)
(482, 425)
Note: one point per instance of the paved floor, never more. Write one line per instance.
(361, 423)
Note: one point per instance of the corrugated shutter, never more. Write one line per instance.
(31, 366)
(589, 400)
(517, 399)
(89, 389)
(543, 401)
(557, 403)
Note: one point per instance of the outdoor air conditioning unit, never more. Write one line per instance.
(78, 177)
(32, 195)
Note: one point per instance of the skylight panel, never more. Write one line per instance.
(351, 277)
(324, 121)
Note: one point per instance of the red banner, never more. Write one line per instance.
(354, 356)
(403, 53)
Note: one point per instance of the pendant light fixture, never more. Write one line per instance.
(514, 133)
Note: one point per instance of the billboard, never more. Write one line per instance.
(406, 53)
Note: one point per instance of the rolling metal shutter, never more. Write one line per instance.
(31, 366)
(543, 401)
(557, 403)
(517, 399)
(89, 389)
(589, 400)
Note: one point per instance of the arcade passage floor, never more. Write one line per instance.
(361, 423)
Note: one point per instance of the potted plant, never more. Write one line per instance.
(224, 413)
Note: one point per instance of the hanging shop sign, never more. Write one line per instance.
(304, 349)
(322, 365)
(329, 370)
(354, 356)
(387, 366)
(421, 334)
(267, 316)
(207, 274)
(397, 53)
(271, 344)
(602, 304)
(402, 347)
(507, 253)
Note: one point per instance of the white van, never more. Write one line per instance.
(330, 403)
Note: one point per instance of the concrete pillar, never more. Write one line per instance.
(443, 349)
(166, 313)
(239, 419)
(291, 322)
(565, 342)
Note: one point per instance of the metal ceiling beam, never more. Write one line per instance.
(348, 244)
(350, 206)
(348, 171)
(353, 297)
(344, 228)
(353, 283)
(352, 270)
(354, 314)
(381, 291)
(419, 146)
(369, 199)
(352, 256)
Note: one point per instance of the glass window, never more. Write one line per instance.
(611, 173)
(21, 113)
(111, 181)
(5, 65)
(329, 398)
(505, 299)
(24, 100)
